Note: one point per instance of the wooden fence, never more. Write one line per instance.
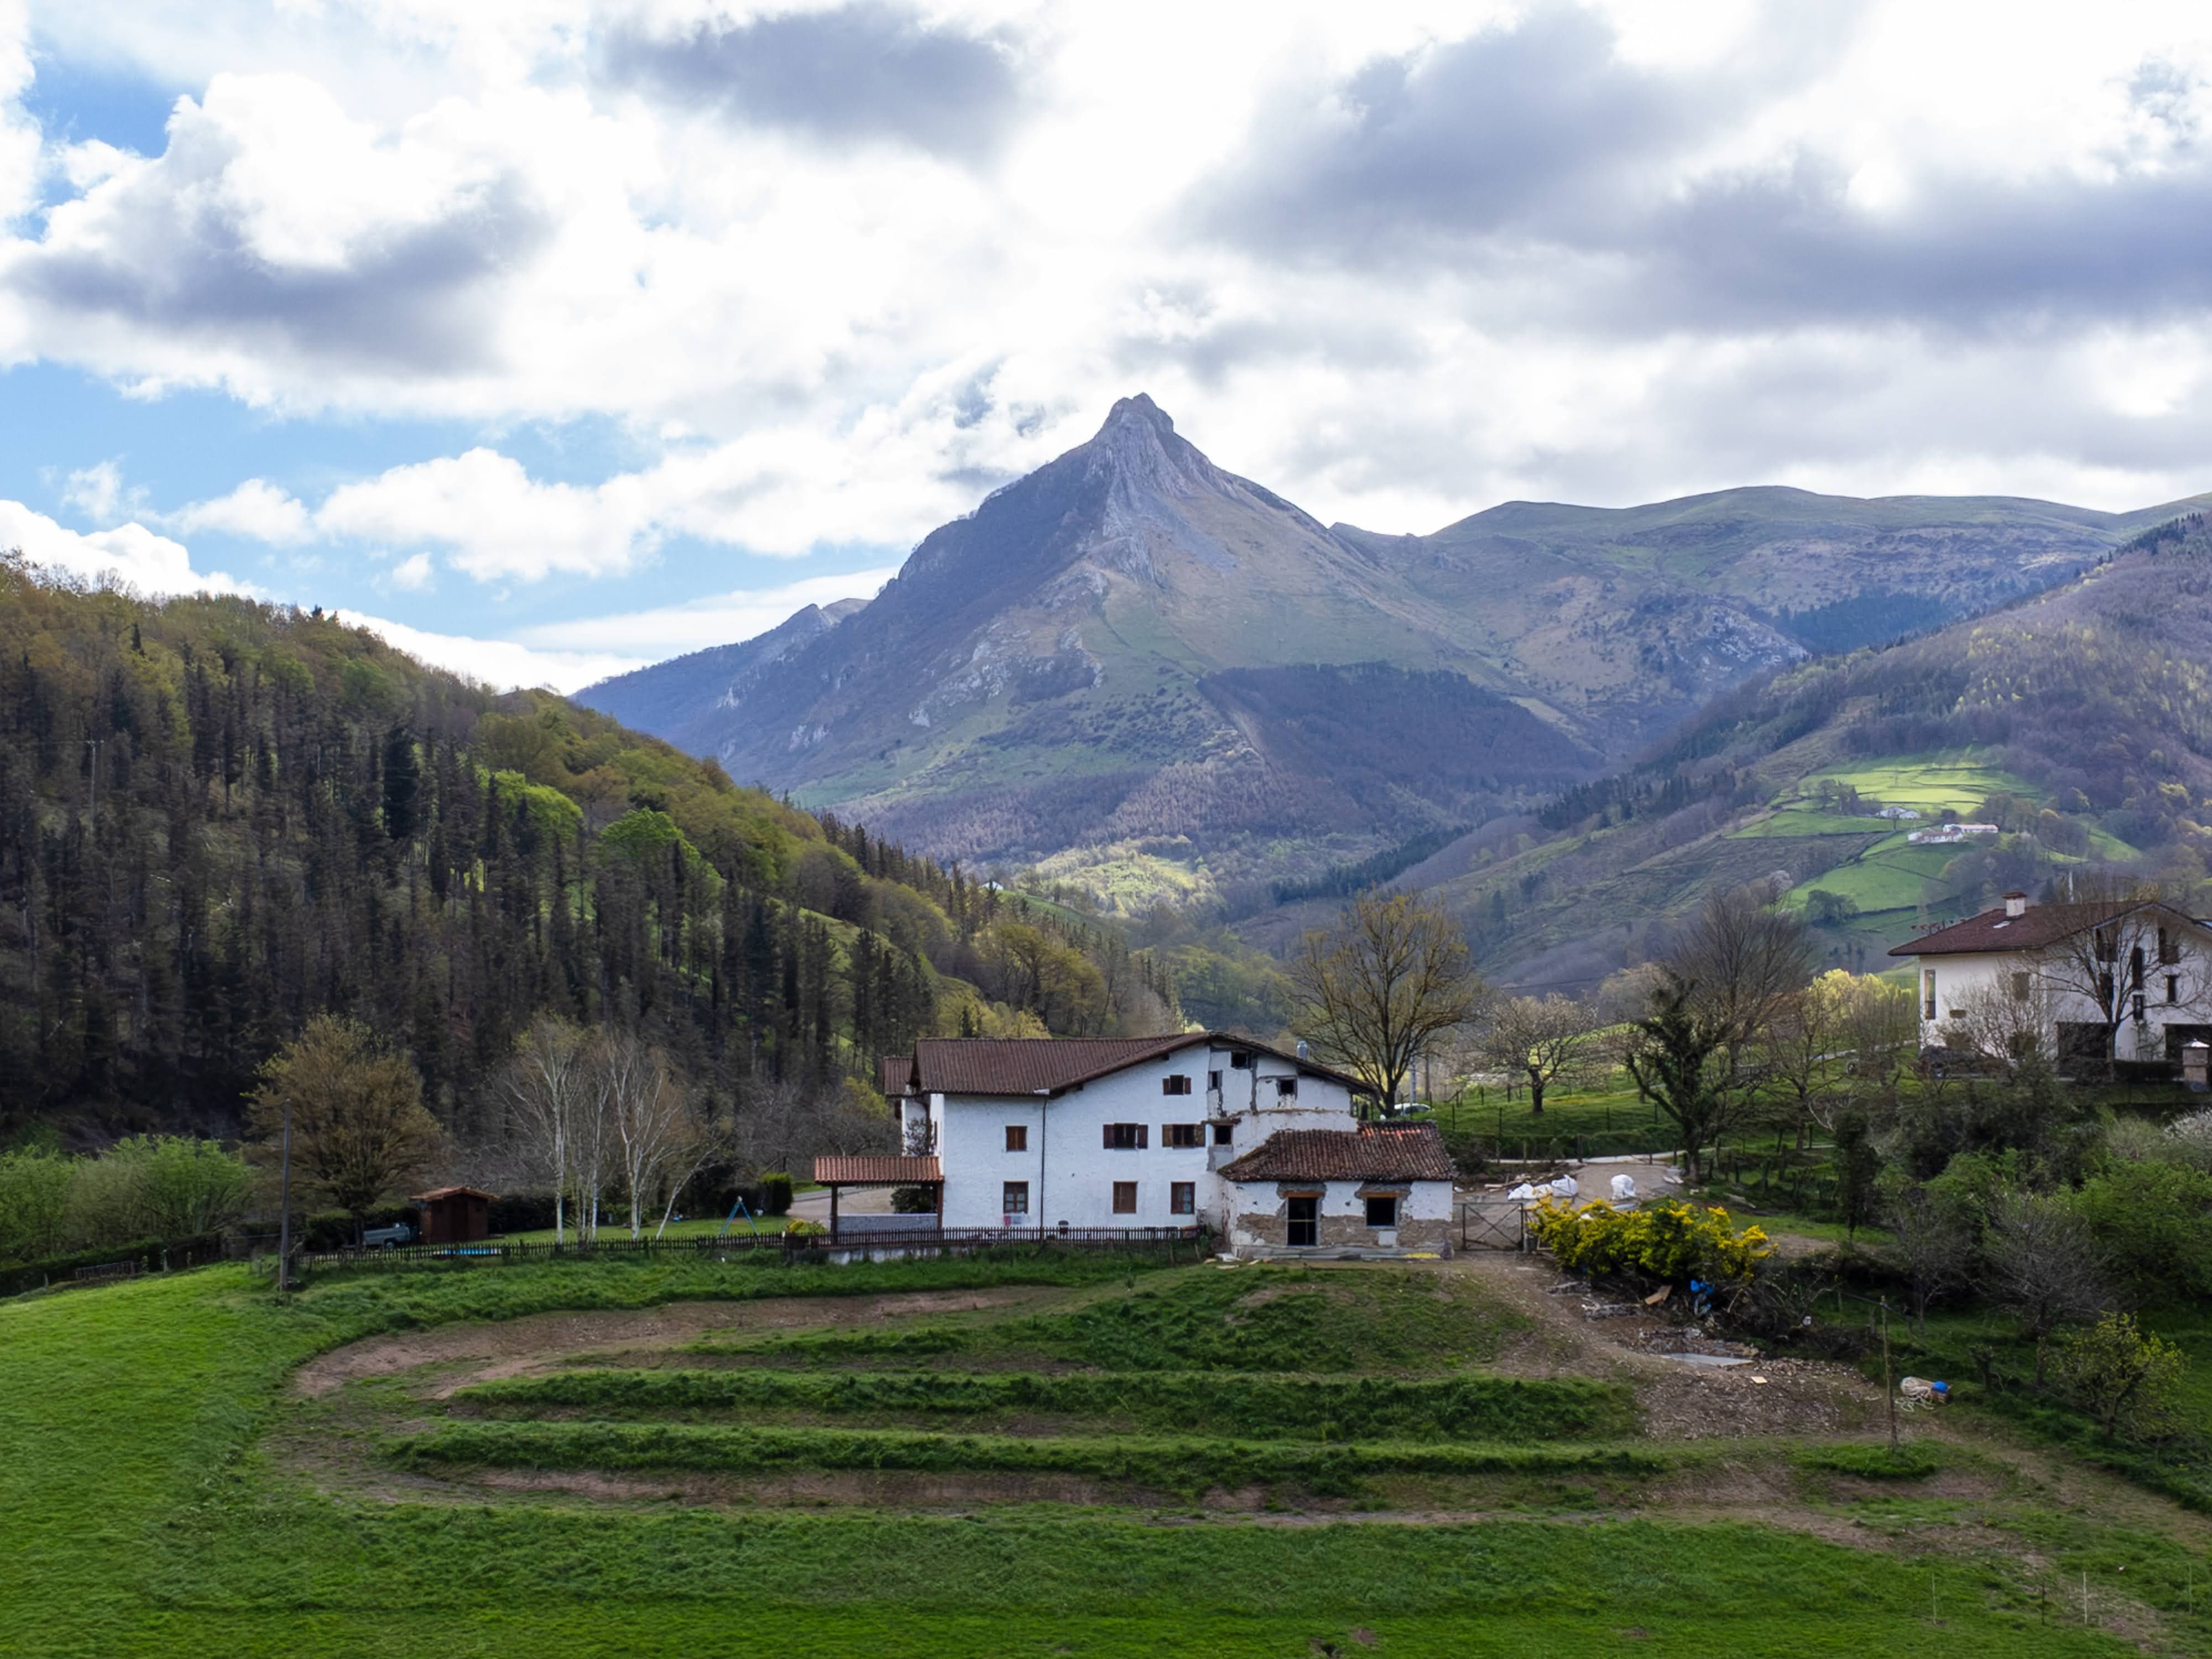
(764, 1247)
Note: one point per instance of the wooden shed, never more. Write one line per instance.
(455, 1215)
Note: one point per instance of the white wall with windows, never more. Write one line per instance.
(1138, 1148)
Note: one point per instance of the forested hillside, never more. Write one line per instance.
(2077, 724)
(218, 818)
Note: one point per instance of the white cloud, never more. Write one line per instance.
(257, 509)
(98, 493)
(725, 619)
(130, 554)
(503, 664)
(412, 575)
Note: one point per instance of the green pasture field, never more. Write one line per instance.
(1930, 782)
(146, 1510)
(693, 1227)
(1889, 876)
(1795, 821)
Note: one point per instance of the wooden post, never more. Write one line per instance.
(833, 1213)
(1888, 1386)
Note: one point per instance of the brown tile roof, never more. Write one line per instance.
(1034, 1065)
(894, 1075)
(437, 1193)
(2040, 925)
(877, 1171)
(1414, 1153)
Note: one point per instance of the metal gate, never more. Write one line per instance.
(1494, 1224)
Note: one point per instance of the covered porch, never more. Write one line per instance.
(838, 1173)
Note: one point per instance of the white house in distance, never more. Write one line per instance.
(1075, 1135)
(2147, 960)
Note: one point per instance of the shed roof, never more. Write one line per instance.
(1995, 933)
(437, 1193)
(877, 1171)
(894, 1075)
(1414, 1151)
(1047, 1065)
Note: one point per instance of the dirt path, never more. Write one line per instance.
(480, 1352)
(1679, 1401)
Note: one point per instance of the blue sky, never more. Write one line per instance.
(558, 335)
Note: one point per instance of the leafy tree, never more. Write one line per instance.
(1391, 978)
(2120, 1373)
(360, 1133)
(1935, 1232)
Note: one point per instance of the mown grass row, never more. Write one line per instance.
(1289, 1320)
(1167, 1463)
(1267, 1408)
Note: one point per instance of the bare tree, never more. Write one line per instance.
(1936, 1232)
(1719, 992)
(1390, 979)
(1802, 1053)
(657, 1140)
(1881, 1026)
(2120, 951)
(2045, 1268)
(1545, 1040)
(2008, 1021)
(545, 1086)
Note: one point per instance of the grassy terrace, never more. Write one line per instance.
(1056, 1456)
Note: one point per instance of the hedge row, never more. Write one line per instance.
(1175, 1464)
(152, 1255)
(1330, 1409)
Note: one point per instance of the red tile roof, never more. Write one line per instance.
(894, 1075)
(1047, 1065)
(877, 1171)
(2040, 925)
(437, 1193)
(1414, 1153)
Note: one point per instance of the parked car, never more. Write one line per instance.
(385, 1238)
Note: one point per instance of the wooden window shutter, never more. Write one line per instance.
(1109, 1133)
(1144, 1136)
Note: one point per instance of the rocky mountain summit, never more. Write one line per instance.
(1133, 652)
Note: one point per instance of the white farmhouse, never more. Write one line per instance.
(1265, 1150)
(2131, 978)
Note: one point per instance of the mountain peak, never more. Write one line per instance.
(1140, 409)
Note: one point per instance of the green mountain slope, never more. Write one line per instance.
(218, 818)
(2078, 721)
(1131, 656)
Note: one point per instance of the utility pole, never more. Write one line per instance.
(284, 1222)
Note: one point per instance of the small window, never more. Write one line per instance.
(1928, 994)
(1177, 1084)
(1125, 1197)
(2020, 987)
(1214, 1082)
(1182, 1198)
(1382, 1212)
(2172, 989)
(1018, 1137)
(2169, 947)
(1126, 1137)
(1015, 1200)
(1183, 1134)
(1240, 1061)
(1286, 1088)
(1224, 1135)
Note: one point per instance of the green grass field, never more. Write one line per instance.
(1929, 782)
(162, 1495)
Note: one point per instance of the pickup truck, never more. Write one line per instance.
(384, 1238)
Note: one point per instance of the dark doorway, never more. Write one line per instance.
(1305, 1222)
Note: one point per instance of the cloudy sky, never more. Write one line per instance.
(560, 336)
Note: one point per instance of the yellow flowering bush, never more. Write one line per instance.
(1663, 1239)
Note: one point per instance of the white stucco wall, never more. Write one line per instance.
(1959, 977)
(1070, 1172)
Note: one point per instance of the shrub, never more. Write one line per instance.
(775, 1194)
(2148, 1221)
(1664, 1240)
(521, 1212)
(807, 1229)
(2121, 1373)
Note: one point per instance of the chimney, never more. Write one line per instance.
(2015, 903)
